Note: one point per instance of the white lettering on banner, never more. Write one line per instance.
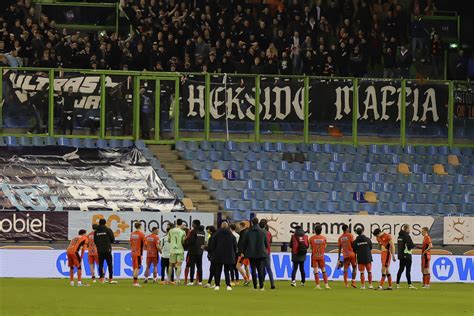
(20, 225)
(16, 263)
(278, 102)
(458, 230)
(122, 222)
(346, 90)
(283, 225)
(27, 85)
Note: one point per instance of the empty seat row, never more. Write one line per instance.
(328, 148)
(69, 142)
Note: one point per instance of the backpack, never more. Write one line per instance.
(302, 249)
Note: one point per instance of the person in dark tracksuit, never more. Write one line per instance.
(255, 248)
(268, 261)
(211, 231)
(363, 249)
(405, 245)
(223, 246)
(194, 243)
(103, 239)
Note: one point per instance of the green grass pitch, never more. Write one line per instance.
(57, 297)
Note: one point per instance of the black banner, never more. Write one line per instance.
(26, 97)
(33, 225)
(51, 178)
(330, 100)
(464, 103)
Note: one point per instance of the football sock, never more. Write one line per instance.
(325, 277)
(362, 279)
(382, 281)
(345, 278)
(316, 278)
(71, 274)
(389, 278)
(369, 277)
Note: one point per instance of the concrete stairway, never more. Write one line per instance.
(181, 172)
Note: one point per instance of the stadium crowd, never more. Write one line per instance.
(327, 37)
(244, 250)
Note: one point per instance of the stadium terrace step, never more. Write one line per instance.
(180, 171)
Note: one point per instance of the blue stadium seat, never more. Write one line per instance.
(181, 146)
(206, 145)
(36, 141)
(138, 143)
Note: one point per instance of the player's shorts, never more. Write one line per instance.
(425, 261)
(349, 261)
(318, 263)
(136, 262)
(243, 260)
(151, 260)
(385, 257)
(93, 259)
(365, 266)
(73, 260)
(176, 257)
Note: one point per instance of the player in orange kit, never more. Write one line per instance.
(152, 248)
(345, 245)
(74, 259)
(426, 257)
(318, 247)
(388, 250)
(137, 243)
(93, 256)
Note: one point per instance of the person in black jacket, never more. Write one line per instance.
(224, 248)
(405, 245)
(363, 249)
(103, 239)
(255, 248)
(194, 243)
(243, 262)
(211, 230)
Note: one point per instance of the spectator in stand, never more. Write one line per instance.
(403, 63)
(389, 63)
(461, 66)
(418, 34)
(357, 63)
(220, 37)
(437, 56)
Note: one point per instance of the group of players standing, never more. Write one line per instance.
(226, 253)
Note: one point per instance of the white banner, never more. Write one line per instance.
(122, 222)
(458, 230)
(283, 225)
(53, 264)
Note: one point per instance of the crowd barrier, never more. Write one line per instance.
(162, 108)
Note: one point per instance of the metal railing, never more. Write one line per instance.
(197, 106)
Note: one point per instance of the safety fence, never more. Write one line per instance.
(162, 108)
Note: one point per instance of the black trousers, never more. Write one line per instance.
(212, 269)
(165, 265)
(405, 263)
(300, 265)
(258, 267)
(107, 257)
(195, 262)
(218, 273)
(234, 273)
